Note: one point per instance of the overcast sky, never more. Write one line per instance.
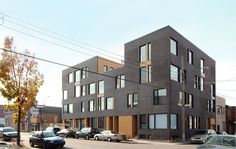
(108, 24)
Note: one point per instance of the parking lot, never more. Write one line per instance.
(72, 143)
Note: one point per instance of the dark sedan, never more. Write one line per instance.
(47, 139)
(6, 133)
(86, 133)
(66, 133)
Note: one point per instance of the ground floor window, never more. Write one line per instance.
(158, 121)
(101, 123)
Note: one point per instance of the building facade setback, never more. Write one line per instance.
(166, 85)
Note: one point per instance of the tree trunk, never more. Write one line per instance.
(18, 126)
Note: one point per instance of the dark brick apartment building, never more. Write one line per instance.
(144, 97)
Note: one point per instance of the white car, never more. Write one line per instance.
(109, 135)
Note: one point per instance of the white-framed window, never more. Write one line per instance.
(101, 87)
(70, 76)
(65, 94)
(109, 103)
(173, 47)
(92, 88)
(77, 75)
(173, 121)
(77, 91)
(91, 105)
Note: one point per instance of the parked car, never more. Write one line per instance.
(66, 133)
(53, 129)
(221, 133)
(46, 139)
(220, 142)
(202, 135)
(7, 133)
(2, 125)
(86, 133)
(109, 135)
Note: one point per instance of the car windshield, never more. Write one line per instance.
(48, 134)
(222, 140)
(9, 129)
(200, 132)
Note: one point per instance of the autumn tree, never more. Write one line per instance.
(20, 80)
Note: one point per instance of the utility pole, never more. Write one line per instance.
(183, 98)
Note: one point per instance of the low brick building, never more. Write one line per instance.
(230, 119)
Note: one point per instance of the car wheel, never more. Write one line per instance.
(87, 137)
(31, 144)
(96, 138)
(109, 139)
(76, 136)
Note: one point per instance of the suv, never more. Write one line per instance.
(53, 129)
(202, 135)
(86, 133)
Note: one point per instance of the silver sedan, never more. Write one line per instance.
(109, 135)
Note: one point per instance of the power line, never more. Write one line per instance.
(60, 35)
(66, 47)
(76, 68)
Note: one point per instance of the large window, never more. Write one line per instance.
(213, 94)
(109, 103)
(149, 51)
(197, 83)
(84, 72)
(142, 53)
(101, 105)
(92, 88)
(190, 122)
(173, 121)
(83, 90)
(65, 94)
(190, 100)
(77, 75)
(201, 84)
(101, 87)
(142, 72)
(149, 73)
(211, 105)
(91, 105)
(202, 65)
(68, 108)
(158, 121)
(174, 73)
(173, 47)
(77, 91)
(64, 108)
(120, 81)
(82, 107)
(143, 121)
(105, 68)
(189, 56)
(145, 52)
(70, 76)
(132, 100)
(159, 97)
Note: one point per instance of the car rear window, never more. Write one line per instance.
(200, 132)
